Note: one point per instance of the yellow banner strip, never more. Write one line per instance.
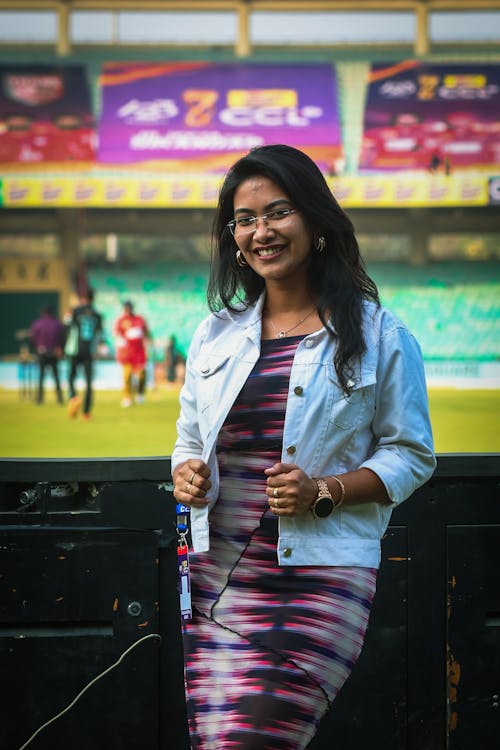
(200, 191)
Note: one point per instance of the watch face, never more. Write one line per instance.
(323, 507)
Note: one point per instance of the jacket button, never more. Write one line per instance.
(287, 552)
(298, 390)
(291, 450)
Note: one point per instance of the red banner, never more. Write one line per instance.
(45, 115)
(432, 117)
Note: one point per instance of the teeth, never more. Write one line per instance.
(265, 251)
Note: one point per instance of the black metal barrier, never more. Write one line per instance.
(90, 649)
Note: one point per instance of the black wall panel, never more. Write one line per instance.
(473, 636)
(88, 587)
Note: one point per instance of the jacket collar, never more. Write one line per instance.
(250, 318)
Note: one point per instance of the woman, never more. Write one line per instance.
(304, 421)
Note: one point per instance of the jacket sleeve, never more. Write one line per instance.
(188, 443)
(403, 456)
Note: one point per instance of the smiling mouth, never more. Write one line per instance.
(268, 252)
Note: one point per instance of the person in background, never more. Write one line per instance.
(174, 361)
(84, 332)
(47, 338)
(132, 333)
(24, 371)
(303, 422)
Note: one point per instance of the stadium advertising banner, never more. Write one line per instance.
(169, 131)
(113, 191)
(437, 118)
(45, 115)
(195, 191)
(201, 116)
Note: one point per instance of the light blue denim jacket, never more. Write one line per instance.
(383, 425)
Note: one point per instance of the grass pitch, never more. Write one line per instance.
(464, 421)
(46, 431)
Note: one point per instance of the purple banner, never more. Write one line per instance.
(205, 115)
(432, 117)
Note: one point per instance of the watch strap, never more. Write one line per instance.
(323, 490)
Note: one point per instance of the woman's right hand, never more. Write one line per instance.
(192, 482)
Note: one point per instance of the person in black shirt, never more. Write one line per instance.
(85, 332)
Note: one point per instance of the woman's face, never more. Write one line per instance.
(278, 250)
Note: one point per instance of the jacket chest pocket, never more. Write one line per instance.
(350, 410)
(211, 372)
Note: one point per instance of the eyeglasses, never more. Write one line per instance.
(278, 218)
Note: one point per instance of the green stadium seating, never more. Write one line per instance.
(452, 308)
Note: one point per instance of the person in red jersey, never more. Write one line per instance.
(132, 334)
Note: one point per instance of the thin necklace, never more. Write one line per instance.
(282, 334)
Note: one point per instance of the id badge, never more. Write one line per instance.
(184, 580)
(183, 563)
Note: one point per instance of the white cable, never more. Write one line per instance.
(89, 685)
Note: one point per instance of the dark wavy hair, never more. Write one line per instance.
(337, 274)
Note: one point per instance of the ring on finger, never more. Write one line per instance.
(191, 480)
(188, 485)
(276, 503)
(276, 492)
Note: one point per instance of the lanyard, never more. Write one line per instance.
(182, 512)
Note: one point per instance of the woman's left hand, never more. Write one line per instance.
(192, 482)
(290, 491)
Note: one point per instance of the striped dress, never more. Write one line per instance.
(268, 647)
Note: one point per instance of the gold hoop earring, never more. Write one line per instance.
(320, 243)
(240, 259)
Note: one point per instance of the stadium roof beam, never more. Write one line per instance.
(243, 10)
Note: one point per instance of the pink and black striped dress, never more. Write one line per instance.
(268, 647)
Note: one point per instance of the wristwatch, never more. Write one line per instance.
(324, 504)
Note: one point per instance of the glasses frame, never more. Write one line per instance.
(233, 225)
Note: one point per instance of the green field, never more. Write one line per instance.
(464, 421)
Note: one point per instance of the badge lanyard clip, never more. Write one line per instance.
(183, 562)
